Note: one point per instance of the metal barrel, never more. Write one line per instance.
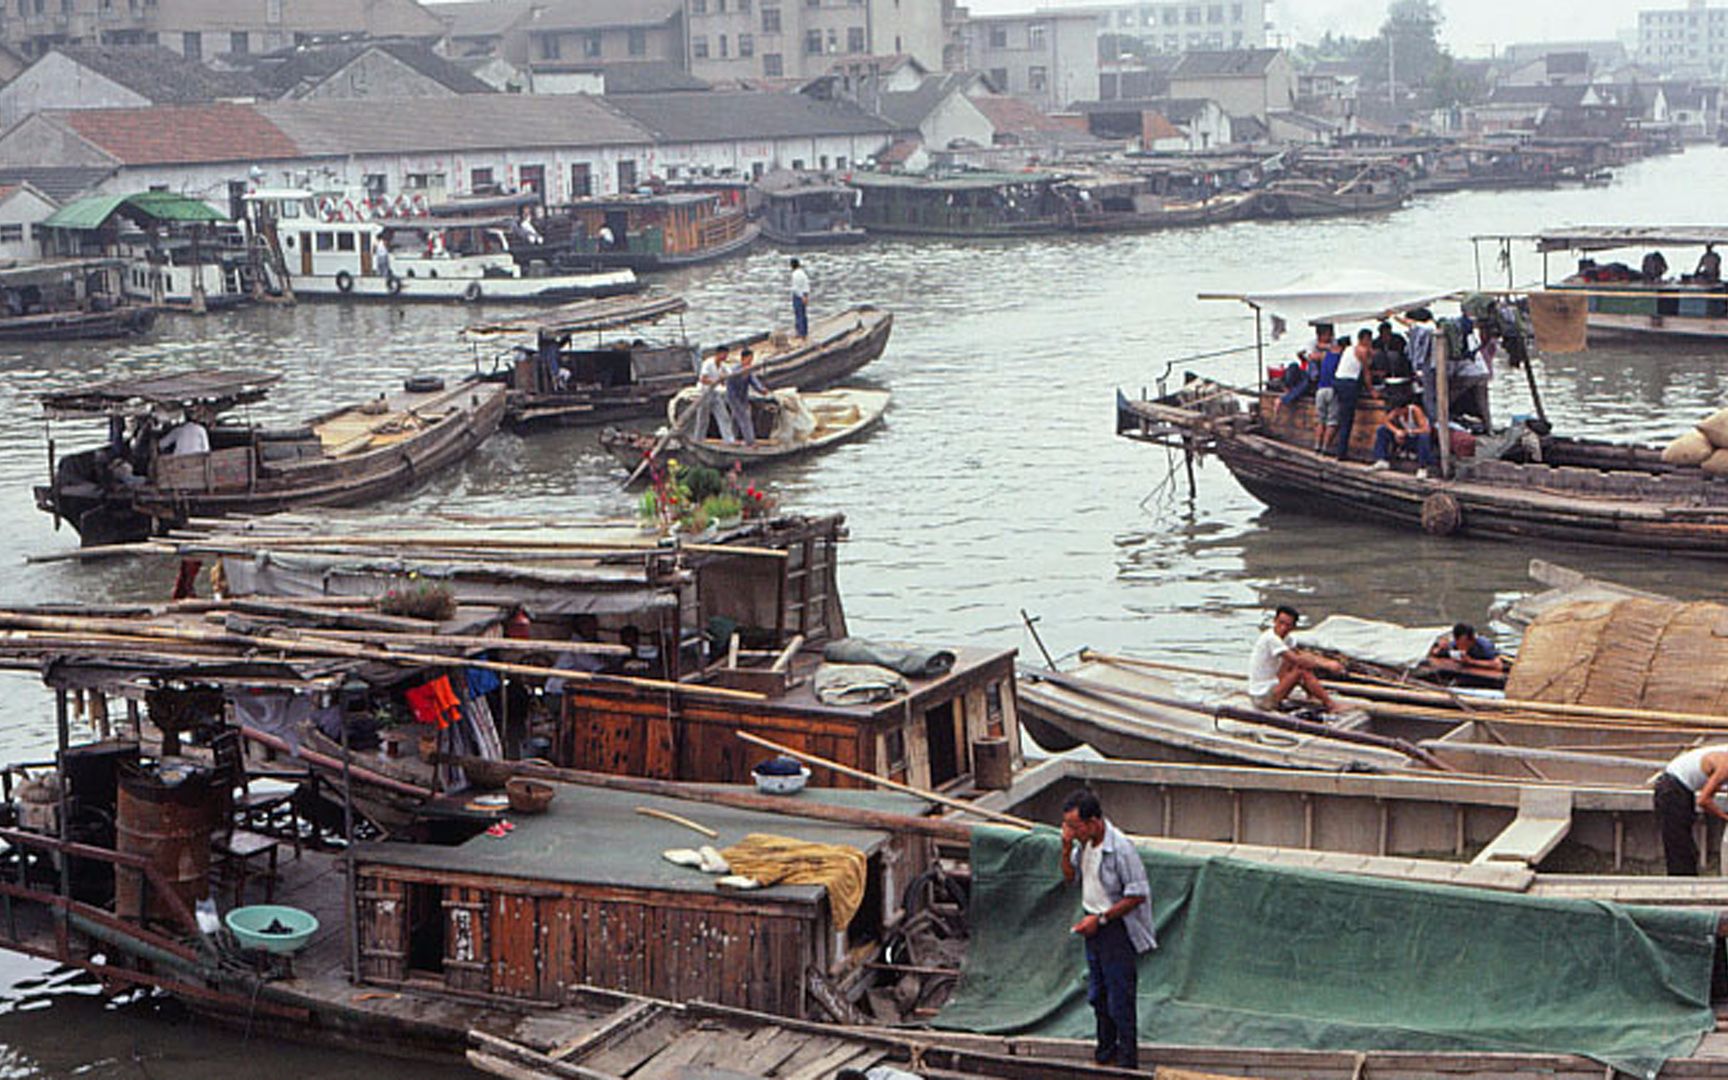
(171, 827)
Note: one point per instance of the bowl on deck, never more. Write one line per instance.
(272, 927)
(780, 776)
(529, 796)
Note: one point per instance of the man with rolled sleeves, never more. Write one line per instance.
(1116, 922)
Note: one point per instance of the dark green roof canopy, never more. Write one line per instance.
(146, 206)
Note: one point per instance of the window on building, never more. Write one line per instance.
(1037, 79)
(1215, 13)
(591, 45)
(746, 45)
(698, 7)
(744, 7)
(11, 234)
(627, 175)
(479, 179)
(1236, 39)
(637, 44)
(770, 20)
(239, 43)
(998, 37)
(833, 41)
(1172, 16)
(822, 162)
(812, 42)
(724, 50)
(549, 49)
(421, 181)
(1035, 35)
(1235, 13)
(773, 65)
(533, 178)
(581, 180)
(376, 184)
(192, 45)
(1191, 16)
(840, 161)
(1172, 42)
(855, 39)
(999, 79)
(699, 47)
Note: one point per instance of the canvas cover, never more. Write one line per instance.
(1253, 955)
(1384, 643)
(1349, 293)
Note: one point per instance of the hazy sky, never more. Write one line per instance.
(1472, 26)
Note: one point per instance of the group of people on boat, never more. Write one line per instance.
(1652, 270)
(728, 383)
(1339, 370)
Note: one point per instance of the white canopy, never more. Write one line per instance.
(1329, 295)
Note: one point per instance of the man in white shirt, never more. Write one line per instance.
(381, 255)
(1689, 784)
(1347, 386)
(800, 299)
(188, 437)
(1275, 668)
(1116, 922)
(712, 379)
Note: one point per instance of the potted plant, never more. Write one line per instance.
(725, 511)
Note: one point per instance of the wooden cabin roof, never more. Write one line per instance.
(218, 387)
(595, 837)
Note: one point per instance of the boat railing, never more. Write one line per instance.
(155, 891)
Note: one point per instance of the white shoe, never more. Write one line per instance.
(1380, 466)
(1421, 474)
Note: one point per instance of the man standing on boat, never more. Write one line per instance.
(1689, 784)
(1275, 668)
(800, 300)
(381, 255)
(713, 401)
(1116, 922)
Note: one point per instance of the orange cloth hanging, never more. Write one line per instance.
(435, 703)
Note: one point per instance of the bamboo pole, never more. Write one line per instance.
(488, 543)
(678, 819)
(883, 782)
(342, 650)
(506, 644)
(101, 551)
(791, 806)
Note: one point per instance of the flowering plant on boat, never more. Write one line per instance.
(419, 599)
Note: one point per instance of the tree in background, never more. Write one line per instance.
(1407, 50)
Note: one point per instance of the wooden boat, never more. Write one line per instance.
(70, 300)
(1621, 300)
(970, 204)
(799, 210)
(1304, 198)
(832, 417)
(1127, 204)
(1515, 483)
(610, 379)
(128, 489)
(1135, 713)
(648, 232)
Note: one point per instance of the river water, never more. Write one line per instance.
(995, 484)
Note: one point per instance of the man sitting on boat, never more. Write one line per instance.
(190, 436)
(1275, 668)
(1709, 270)
(1654, 267)
(1469, 651)
(1405, 429)
(1299, 376)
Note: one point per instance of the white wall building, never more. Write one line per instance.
(1173, 26)
(1050, 58)
(1690, 38)
(801, 39)
(22, 210)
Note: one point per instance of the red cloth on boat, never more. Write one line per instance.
(435, 703)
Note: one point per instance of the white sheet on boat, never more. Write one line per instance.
(1344, 294)
(1375, 642)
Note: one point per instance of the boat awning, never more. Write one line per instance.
(216, 387)
(1629, 236)
(1347, 294)
(154, 206)
(610, 313)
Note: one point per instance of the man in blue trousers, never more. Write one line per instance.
(800, 299)
(1117, 922)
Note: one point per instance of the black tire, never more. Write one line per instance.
(344, 281)
(423, 384)
(472, 293)
(393, 285)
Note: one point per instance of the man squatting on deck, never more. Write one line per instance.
(1689, 784)
(1117, 923)
(1275, 668)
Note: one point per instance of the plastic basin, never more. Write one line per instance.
(249, 924)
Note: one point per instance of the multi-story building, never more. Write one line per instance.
(205, 28)
(1692, 38)
(1049, 58)
(1173, 26)
(801, 39)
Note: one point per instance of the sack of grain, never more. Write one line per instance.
(1716, 429)
(1692, 448)
(1716, 464)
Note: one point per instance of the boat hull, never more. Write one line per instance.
(648, 262)
(549, 289)
(79, 325)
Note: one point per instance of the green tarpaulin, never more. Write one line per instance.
(93, 212)
(1253, 955)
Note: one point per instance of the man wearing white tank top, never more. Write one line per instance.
(1689, 784)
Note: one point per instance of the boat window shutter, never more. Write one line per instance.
(467, 939)
(383, 914)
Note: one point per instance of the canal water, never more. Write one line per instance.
(995, 484)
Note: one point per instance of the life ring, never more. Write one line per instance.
(327, 209)
(394, 285)
(344, 281)
(348, 211)
(472, 292)
(422, 384)
(1441, 514)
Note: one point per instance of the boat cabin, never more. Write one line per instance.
(179, 252)
(800, 209)
(69, 299)
(581, 896)
(962, 204)
(647, 232)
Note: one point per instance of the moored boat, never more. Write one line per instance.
(646, 233)
(150, 476)
(801, 210)
(1371, 192)
(1127, 204)
(69, 300)
(964, 204)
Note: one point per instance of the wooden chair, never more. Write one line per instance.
(240, 855)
